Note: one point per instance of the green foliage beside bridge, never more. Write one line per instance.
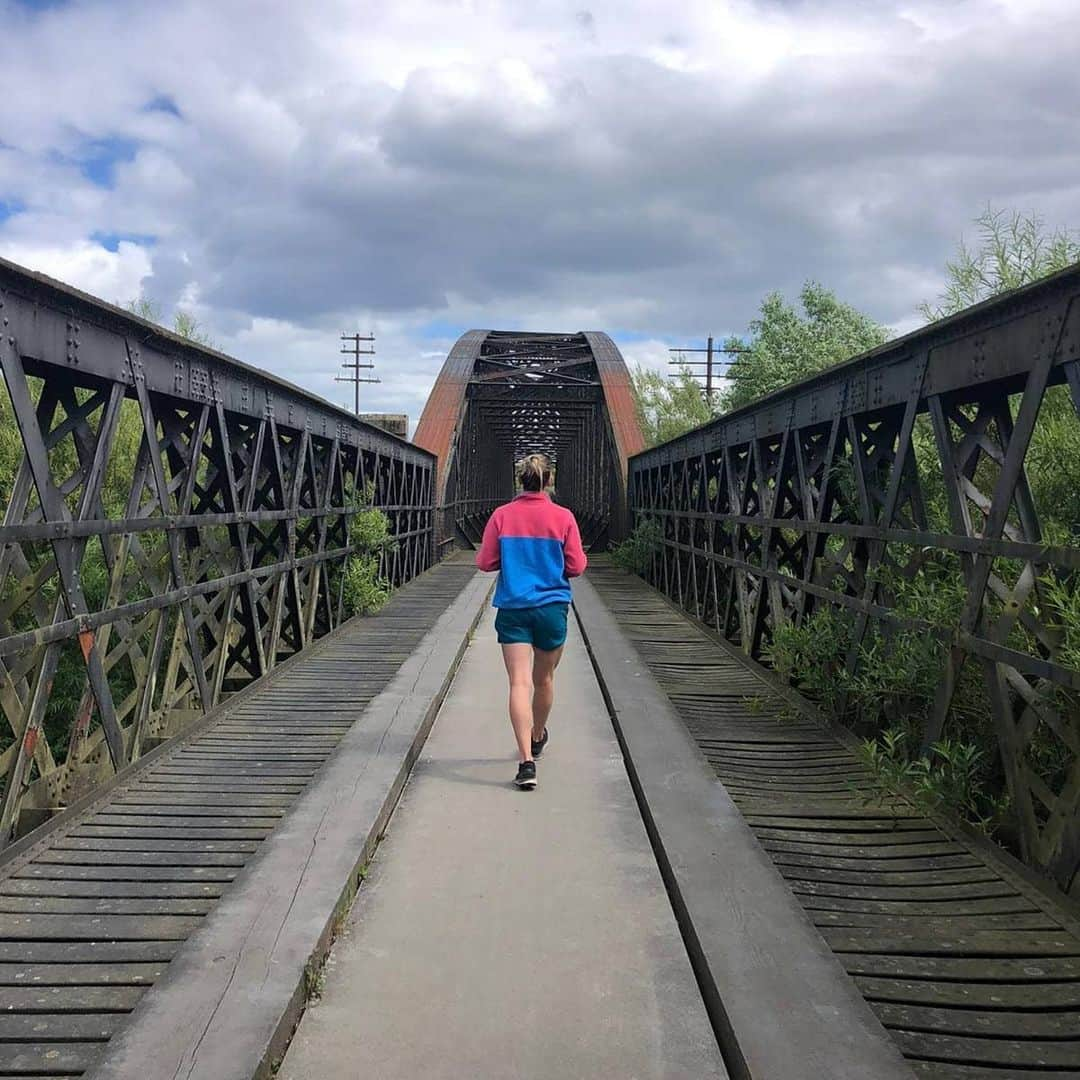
(889, 694)
(668, 407)
(365, 589)
(786, 344)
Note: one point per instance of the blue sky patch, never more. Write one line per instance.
(164, 104)
(99, 157)
(111, 241)
(441, 328)
(9, 208)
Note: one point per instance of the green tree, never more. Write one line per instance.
(1013, 249)
(184, 322)
(668, 407)
(1016, 249)
(786, 345)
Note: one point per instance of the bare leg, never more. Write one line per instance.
(543, 680)
(519, 662)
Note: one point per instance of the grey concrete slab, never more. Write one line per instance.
(511, 935)
(784, 1006)
(231, 996)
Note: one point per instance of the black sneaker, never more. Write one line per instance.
(538, 747)
(526, 775)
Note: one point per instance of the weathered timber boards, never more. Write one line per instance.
(91, 916)
(973, 971)
(781, 1004)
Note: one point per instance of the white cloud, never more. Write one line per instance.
(115, 276)
(648, 354)
(647, 170)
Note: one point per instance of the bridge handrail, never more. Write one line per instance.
(240, 491)
(814, 495)
(954, 330)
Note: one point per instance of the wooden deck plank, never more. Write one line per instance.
(1002, 1053)
(940, 1070)
(749, 940)
(38, 978)
(98, 843)
(996, 1023)
(98, 1026)
(974, 995)
(109, 905)
(940, 940)
(50, 1058)
(97, 927)
(1031, 967)
(96, 913)
(843, 861)
(230, 996)
(76, 953)
(45, 869)
(980, 906)
(89, 889)
(969, 942)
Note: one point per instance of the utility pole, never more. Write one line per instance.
(353, 349)
(710, 352)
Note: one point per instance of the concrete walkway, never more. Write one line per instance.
(509, 935)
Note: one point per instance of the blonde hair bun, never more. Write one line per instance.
(534, 472)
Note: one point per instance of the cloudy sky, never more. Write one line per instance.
(288, 171)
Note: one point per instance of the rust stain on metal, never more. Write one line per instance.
(503, 393)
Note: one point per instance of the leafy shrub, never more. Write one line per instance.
(364, 589)
(952, 777)
(636, 552)
(892, 692)
(369, 530)
(1063, 598)
(812, 654)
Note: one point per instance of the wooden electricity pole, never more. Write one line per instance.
(353, 349)
(710, 352)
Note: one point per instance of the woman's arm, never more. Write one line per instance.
(573, 552)
(487, 558)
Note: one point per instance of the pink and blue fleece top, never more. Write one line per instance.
(536, 547)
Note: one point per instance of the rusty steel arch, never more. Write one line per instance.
(502, 394)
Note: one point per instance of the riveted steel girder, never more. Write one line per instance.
(817, 499)
(227, 557)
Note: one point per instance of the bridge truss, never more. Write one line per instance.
(118, 626)
(905, 472)
(501, 395)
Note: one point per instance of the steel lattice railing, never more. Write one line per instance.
(819, 496)
(120, 624)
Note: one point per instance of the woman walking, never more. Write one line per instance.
(536, 547)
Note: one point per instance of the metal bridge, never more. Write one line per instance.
(502, 395)
(202, 750)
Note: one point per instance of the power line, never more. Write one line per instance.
(353, 349)
(710, 352)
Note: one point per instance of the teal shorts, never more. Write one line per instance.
(543, 627)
